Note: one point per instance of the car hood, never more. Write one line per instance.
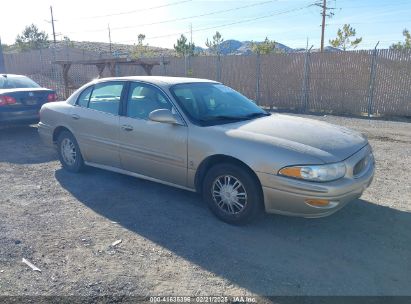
(324, 141)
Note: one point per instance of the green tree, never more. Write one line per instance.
(32, 38)
(5, 47)
(140, 39)
(215, 44)
(141, 49)
(183, 47)
(264, 48)
(68, 41)
(9, 48)
(345, 38)
(406, 45)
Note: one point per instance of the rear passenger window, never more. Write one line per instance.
(106, 97)
(84, 97)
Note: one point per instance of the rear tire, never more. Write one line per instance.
(232, 193)
(69, 152)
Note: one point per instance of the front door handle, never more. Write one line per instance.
(75, 116)
(127, 128)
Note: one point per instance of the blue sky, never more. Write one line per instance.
(289, 22)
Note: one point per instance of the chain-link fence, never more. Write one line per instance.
(376, 82)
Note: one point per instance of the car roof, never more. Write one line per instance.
(163, 81)
(11, 75)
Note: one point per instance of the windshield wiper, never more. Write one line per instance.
(253, 115)
(228, 117)
(222, 117)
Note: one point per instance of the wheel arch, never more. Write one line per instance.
(213, 160)
(57, 131)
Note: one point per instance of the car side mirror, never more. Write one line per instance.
(164, 116)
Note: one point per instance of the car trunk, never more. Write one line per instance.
(26, 98)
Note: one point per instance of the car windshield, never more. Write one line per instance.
(213, 103)
(16, 82)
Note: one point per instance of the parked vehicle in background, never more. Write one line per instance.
(21, 99)
(203, 136)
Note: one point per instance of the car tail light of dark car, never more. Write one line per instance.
(51, 97)
(7, 100)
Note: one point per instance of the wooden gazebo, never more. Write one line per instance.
(102, 64)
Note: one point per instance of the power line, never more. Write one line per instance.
(132, 11)
(179, 19)
(229, 24)
(200, 15)
(390, 3)
(371, 22)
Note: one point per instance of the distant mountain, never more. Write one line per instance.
(228, 47)
(235, 47)
(331, 49)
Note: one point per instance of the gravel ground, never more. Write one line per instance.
(171, 244)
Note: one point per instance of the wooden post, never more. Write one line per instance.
(147, 68)
(112, 68)
(164, 66)
(100, 68)
(66, 69)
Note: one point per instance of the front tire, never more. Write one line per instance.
(69, 152)
(232, 193)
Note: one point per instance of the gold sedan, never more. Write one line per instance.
(203, 136)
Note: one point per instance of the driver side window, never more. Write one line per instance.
(143, 99)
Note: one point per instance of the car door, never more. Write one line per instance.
(96, 122)
(153, 149)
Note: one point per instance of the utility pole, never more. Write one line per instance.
(191, 33)
(324, 14)
(52, 24)
(109, 36)
(323, 24)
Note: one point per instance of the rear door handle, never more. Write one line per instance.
(127, 128)
(75, 116)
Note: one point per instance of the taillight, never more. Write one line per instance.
(52, 97)
(7, 100)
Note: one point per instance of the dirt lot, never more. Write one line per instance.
(171, 244)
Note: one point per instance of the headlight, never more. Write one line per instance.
(319, 173)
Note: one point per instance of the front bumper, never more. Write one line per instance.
(288, 196)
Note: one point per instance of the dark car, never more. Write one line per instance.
(21, 99)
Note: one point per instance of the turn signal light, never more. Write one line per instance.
(291, 172)
(318, 202)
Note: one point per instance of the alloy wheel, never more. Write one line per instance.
(229, 194)
(68, 151)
